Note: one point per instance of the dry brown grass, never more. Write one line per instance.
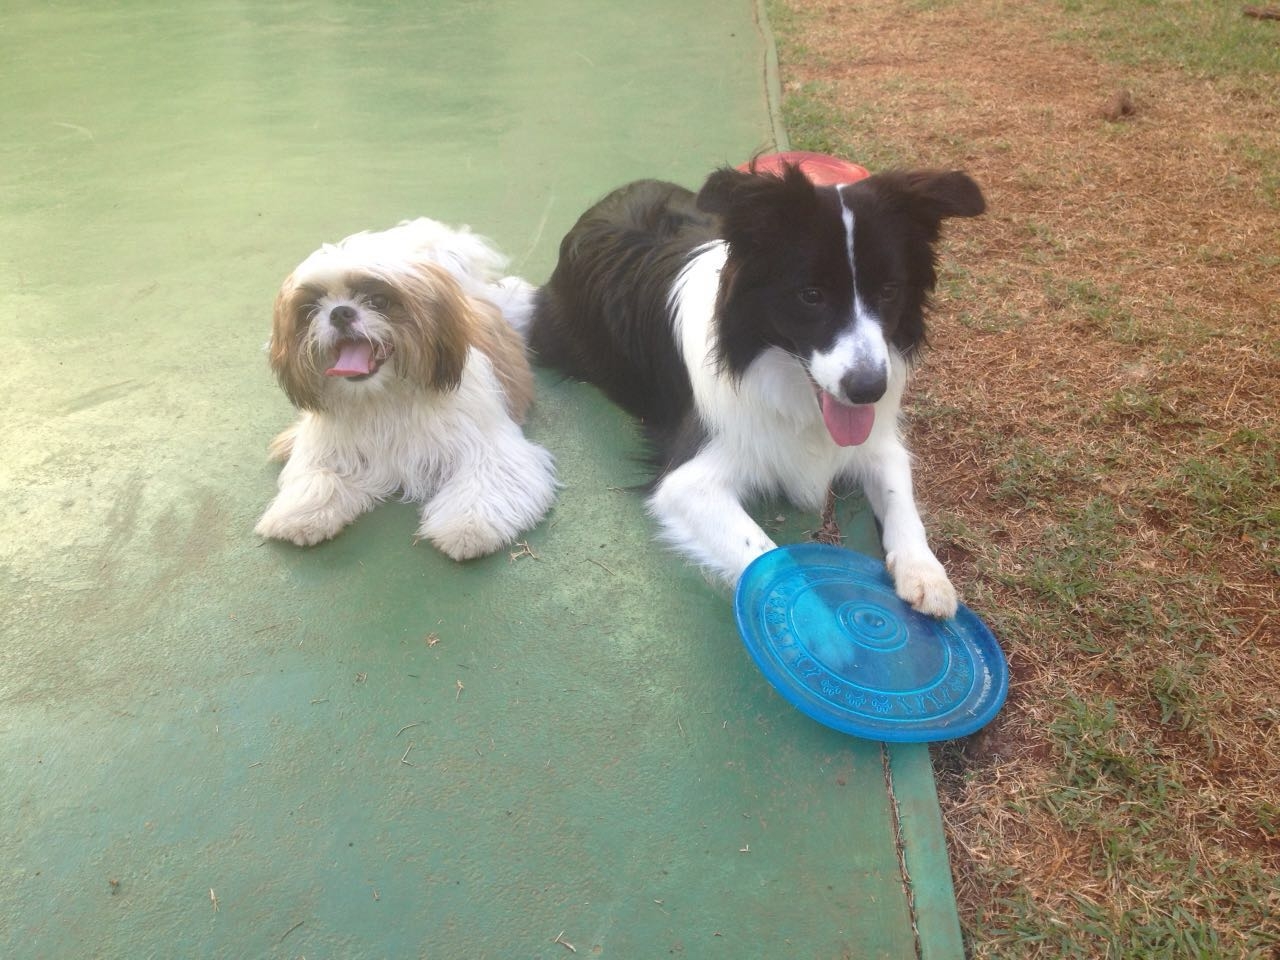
(1097, 429)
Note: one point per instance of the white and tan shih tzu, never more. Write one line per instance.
(401, 349)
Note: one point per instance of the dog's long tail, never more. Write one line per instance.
(515, 298)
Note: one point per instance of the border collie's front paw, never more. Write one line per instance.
(920, 580)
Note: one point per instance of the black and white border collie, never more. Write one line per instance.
(762, 331)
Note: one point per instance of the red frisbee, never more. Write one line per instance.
(822, 168)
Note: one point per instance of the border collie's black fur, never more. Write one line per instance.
(761, 330)
(604, 317)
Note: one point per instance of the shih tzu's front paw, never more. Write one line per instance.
(305, 529)
(463, 537)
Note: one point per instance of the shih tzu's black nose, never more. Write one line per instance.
(342, 317)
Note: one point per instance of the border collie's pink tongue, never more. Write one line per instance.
(355, 358)
(848, 426)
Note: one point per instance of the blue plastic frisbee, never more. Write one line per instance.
(827, 630)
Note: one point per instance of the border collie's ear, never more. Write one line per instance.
(753, 206)
(718, 192)
(934, 194)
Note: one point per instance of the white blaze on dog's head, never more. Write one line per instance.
(853, 373)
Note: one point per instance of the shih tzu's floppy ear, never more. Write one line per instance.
(447, 322)
(497, 339)
(289, 353)
(432, 351)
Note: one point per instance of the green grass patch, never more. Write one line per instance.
(1204, 37)
(1136, 403)
(812, 120)
(814, 123)
(1128, 793)
(1230, 498)
(1029, 473)
(1100, 309)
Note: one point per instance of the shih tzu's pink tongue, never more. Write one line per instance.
(848, 426)
(355, 358)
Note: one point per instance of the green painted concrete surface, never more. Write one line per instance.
(364, 749)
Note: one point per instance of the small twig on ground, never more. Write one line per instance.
(404, 756)
(213, 898)
(272, 626)
(321, 700)
(290, 930)
(415, 723)
(564, 943)
(432, 638)
(459, 693)
(1232, 395)
(524, 551)
(602, 566)
(1262, 13)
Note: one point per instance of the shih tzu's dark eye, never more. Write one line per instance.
(812, 296)
(379, 301)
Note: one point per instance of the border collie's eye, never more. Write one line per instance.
(890, 293)
(811, 296)
(378, 302)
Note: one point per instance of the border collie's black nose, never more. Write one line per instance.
(864, 386)
(342, 317)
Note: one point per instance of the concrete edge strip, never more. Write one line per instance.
(772, 80)
(927, 866)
